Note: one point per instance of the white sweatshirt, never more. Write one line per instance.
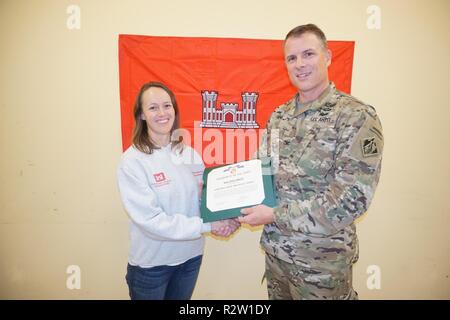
(161, 195)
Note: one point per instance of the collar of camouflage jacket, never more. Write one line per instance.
(295, 108)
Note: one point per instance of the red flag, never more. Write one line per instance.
(226, 88)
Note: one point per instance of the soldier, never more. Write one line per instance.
(329, 161)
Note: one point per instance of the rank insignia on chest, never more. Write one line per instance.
(369, 147)
(324, 111)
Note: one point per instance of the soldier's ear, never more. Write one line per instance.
(329, 55)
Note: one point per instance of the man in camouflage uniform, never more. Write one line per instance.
(328, 166)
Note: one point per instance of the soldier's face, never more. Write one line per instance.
(307, 64)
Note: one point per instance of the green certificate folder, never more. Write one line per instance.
(208, 216)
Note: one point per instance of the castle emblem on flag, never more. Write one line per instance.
(229, 116)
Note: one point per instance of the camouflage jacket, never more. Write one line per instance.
(326, 170)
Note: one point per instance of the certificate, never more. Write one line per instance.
(227, 189)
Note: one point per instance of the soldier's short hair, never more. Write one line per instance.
(308, 28)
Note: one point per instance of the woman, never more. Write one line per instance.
(159, 183)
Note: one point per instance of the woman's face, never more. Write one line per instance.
(159, 114)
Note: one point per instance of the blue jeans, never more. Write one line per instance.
(163, 282)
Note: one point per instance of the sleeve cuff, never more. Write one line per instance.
(278, 216)
(206, 227)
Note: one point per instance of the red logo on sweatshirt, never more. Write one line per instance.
(159, 177)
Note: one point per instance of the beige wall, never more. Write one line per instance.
(60, 141)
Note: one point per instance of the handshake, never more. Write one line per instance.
(221, 228)
(224, 228)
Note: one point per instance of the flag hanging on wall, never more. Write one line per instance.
(226, 88)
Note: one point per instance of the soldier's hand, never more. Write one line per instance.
(257, 215)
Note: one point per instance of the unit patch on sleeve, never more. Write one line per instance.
(369, 147)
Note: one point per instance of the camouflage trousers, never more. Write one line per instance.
(287, 281)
